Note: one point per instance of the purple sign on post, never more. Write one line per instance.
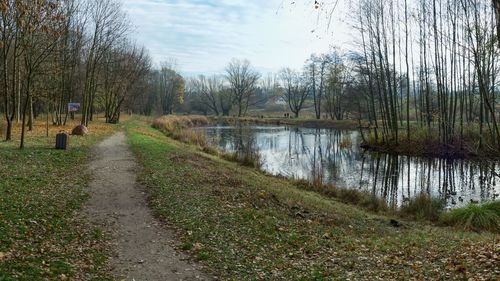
(73, 106)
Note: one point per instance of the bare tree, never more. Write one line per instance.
(242, 80)
(10, 52)
(57, 51)
(316, 68)
(335, 84)
(67, 60)
(496, 5)
(123, 68)
(210, 91)
(171, 87)
(38, 35)
(295, 89)
(109, 25)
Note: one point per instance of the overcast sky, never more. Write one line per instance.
(203, 35)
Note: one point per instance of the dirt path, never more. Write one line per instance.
(142, 246)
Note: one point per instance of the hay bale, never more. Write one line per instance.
(79, 130)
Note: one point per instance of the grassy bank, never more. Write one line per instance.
(421, 207)
(246, 225)
(42, 236)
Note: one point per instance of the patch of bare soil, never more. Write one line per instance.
(143, 248)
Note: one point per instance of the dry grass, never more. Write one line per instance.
(170, 123)
(178, 128)
(98, 127)
(423, 207)
(189, 136)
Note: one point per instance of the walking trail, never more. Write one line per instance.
(143, 248)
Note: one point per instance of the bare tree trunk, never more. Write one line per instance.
(496, 4)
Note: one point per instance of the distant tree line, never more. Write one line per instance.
(325, 86)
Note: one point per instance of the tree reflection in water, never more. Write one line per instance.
(308, 153)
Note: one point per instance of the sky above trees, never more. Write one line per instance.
(204, 35)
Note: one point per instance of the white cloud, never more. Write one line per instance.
(203, 35)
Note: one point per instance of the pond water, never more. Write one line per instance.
(335, 155)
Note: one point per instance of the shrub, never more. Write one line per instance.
(423, 207)
(475, 217)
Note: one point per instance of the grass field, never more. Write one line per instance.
(241, 223)
(245, 225)
(42, 236)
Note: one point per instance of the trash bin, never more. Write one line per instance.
(62, 140)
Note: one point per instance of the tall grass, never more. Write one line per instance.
(169, 123)
(475, 217)
(423, 207)
(179, 128)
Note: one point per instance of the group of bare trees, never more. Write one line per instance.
(295, 89)
(321, 85)
(433, 63)
(170, 87)
(238, 88)
(56, 52)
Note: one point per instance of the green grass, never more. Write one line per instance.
(475, 217)
(245, 225)
(41, 190)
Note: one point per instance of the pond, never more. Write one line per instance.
(335, 156)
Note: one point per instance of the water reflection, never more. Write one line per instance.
(306, 153)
